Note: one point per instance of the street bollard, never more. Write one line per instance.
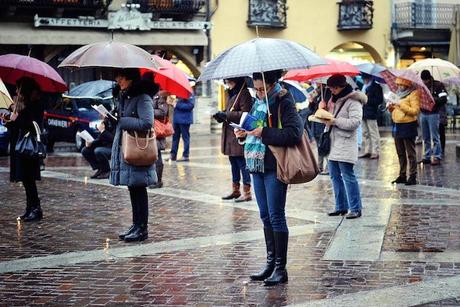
(215, 126)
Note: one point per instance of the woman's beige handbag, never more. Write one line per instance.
(139, 148)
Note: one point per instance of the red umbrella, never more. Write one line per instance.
(170, 78)
(332, 67)
(390, 76)
(15, 66)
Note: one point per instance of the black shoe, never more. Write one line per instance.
(127, 232)
(412, 180)
(157, 185)
(139, 233)
(103, 175)
(400, 179)
(337, 213)
(279, 275)
(35, 214)
(184, 159)
(353, 215)
(424, 161)
(270, 265)
(27, 212)
(97, 173)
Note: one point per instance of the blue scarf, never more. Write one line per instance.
(254, 149)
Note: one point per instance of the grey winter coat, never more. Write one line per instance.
(136, 113)
(344, 139)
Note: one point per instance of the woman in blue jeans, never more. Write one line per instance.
(348, 112)
(270, 193)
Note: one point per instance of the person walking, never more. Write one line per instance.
(286, 130)
(404, 114)
(239, 101)
(348, 112)
(430, 120)
(371, 135)
(182, 119)
(27, 109)
(135, 114)
(99, 151)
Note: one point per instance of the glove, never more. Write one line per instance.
(220, 117)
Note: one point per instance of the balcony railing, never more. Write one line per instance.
(89, 4)
(413, 15)
(267, 13)
(355, 15)
(176, 9)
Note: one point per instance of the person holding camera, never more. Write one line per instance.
(239, 101)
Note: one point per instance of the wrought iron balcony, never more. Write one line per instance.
(37, 4)
(267, 13)
(412, 15)
(355, 15)
(176, 9)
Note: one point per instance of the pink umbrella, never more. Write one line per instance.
(170, 78)
(15, 66)
(390, 75)
(332, 67)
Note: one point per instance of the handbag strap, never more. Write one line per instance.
(37, 130)
(337, 113)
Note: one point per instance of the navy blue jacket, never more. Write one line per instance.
(374, 98)
(183, 112)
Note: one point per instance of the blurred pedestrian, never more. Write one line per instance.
(404, 115)
(99, 151)
(286, 130)
(26, 110)
(371, 135)
(348, 112)
(135, 114)
(430, 120)
(182, 119)
(239, 101)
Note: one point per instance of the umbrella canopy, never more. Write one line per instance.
(426, 99)
(5, 98)
(260, 55)
(439, 69)
(109, 54)
(454, 45)
(170, 78)
(332, 67)
(372, 69)
(15, 66)
(453, 84)
(297, 91)
(99, 89)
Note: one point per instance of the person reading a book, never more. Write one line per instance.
(279, 124)
(99, 151)
(239, 100)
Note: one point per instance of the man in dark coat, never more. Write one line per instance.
(430, 120)
(182, 119)
(371, 136)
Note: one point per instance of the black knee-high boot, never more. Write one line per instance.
(33, 208)
(140, 202)
(279, 275)
(267, 270)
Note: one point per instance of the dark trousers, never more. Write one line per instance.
(442, 136)
(405, 148)
(30, 186)
(184, 130)
(98, 157)
(239, 168)
(140, 205)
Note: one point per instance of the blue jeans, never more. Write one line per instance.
(271, 199)
(430, 132)
(239, 166)
(346, 188)
(184, 130)
(98, 157)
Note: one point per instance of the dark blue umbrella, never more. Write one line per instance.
(372, 69)
(297, 91)
(99, 89)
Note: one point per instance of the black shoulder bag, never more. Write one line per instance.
(30, 145)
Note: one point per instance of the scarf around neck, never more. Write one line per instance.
(405, 93)
(346, 90)
(254, 149)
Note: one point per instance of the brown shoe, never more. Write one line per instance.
(246, 196)
(435, 162)
(235, 192)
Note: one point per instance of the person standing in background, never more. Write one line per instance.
(182, 119)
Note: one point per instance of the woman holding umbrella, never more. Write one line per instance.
(25, 111)
(271, 192)
(135, 114)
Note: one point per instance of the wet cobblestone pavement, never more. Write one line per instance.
(404, 251)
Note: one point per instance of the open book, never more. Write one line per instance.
(247, 122)
(85, 135)
(103, 111)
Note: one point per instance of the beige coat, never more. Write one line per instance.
(344, 139)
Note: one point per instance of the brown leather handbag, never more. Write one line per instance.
(139, 148)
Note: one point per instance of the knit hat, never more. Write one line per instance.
(337, 80)
(404, 82)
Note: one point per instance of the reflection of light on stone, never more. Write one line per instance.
(107, 244)
(316, 219)
(19, 227)
(86, 180)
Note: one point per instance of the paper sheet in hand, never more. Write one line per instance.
(247, 122)
(103, 111)
(85, 135)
